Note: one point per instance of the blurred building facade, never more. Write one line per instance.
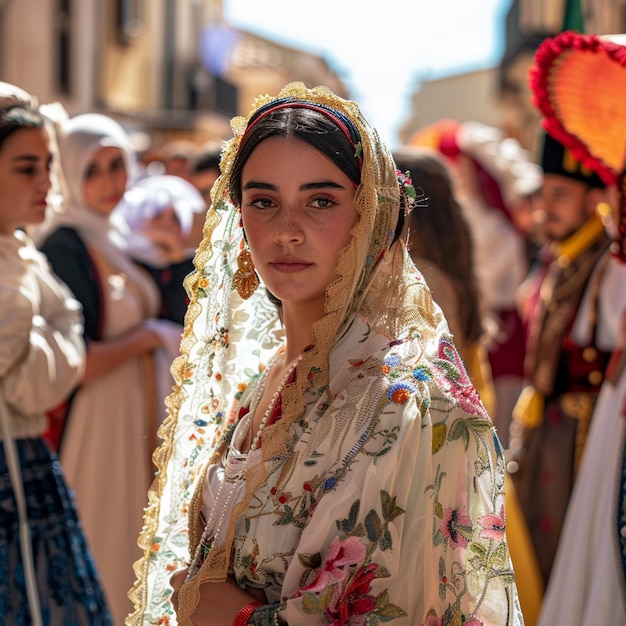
(500, 96)
(171, 69)
(462, 97)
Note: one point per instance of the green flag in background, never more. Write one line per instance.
(573, 18)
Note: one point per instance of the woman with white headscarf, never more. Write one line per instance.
(159, 211)
(111, 424)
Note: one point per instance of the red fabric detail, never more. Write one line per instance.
(491, 190)
(448, 145)
(506, 357)
(618, 249)
(541, 77)
(440, 136)
(616, 357)
(56, 423)
(277, 411)
(246, 612)
(576, 370)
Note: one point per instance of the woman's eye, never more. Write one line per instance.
(118, 165)
(262, 203)
(323, 202)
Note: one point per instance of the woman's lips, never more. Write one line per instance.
(290, 266)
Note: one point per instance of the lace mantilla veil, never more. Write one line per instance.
(227, 341)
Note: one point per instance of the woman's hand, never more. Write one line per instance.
(107, 355)
(219, 602)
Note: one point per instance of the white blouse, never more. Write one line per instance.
(42, 351)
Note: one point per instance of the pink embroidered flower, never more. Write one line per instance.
(452, 377)
(493, 525)
(350, 605)
(340, 553)
(457, 527)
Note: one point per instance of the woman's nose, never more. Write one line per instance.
(288, 227)
(44, 182)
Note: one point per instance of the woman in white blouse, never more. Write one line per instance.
(41, 359)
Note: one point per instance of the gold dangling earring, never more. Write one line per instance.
(245, 278)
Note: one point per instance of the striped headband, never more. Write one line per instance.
(340, 120)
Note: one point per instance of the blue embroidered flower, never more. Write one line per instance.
(392, 360)
(400, 392)
(329, 483)
(421, 373)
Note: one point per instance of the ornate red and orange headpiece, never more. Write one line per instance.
(579, 85)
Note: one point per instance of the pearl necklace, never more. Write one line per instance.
(270, 409)
(211, 534)
(234, 461)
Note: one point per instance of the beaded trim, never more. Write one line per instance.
(259, 394)
(243, 617)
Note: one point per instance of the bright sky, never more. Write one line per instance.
(383, 49)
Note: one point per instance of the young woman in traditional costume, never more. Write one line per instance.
(326, 459)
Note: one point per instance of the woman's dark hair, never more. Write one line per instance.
(439, 233)
(16, 118)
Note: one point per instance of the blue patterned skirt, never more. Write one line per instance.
(69, 589)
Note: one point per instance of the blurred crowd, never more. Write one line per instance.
(516, 247)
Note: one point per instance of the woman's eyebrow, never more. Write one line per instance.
(322, 184)
(253, 184)
(31, 158)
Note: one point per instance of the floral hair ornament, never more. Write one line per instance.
(579, 86)
(409, 196)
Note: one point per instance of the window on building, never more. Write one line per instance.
(63, 46)
(129, 19)
(209, 92)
